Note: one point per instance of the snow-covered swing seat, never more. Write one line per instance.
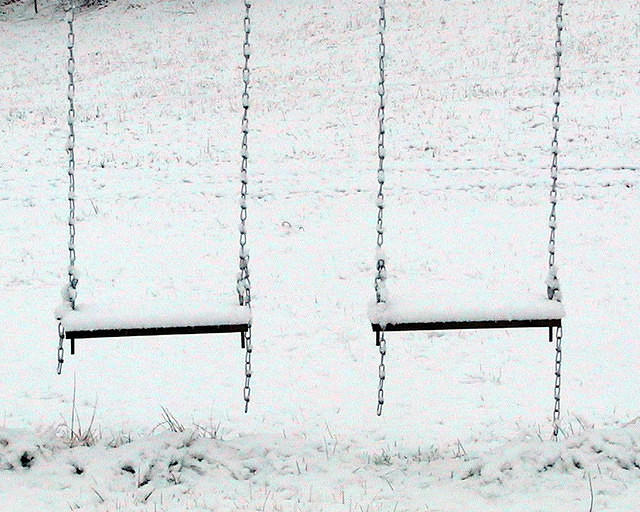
(438, 310)
(157, 318)
(164, 317)
(423, 309)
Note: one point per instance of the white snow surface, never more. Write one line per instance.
(468, 415)
(468, 302)
(188, 471)
(142, 314)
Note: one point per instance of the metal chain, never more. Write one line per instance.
(381, 372)
(381, 275)
(556, 409)
(553, 285)
(380, 265)
(71, 292)
(71, 139)
(243, 281)
(60, 347)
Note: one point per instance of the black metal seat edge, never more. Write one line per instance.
(156, 331)
(457, 325)
(472, 324)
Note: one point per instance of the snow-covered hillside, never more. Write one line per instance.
(467, 420)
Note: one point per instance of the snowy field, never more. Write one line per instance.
(467, 422)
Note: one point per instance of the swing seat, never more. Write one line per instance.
(113, 320)
(437, 310)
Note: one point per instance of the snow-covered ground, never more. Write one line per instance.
(467, 421)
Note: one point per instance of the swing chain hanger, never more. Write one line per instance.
(553, 285)
(71, 116)
(70, 291)
(556, 388)
(244, 282)
(380, 281)
(380, 265)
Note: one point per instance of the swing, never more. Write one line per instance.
(437, 313)
(84, 321)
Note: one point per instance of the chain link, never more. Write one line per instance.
(558, 368)
(243, 281)
(381, 270)
(553, 285)
(60, 347)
